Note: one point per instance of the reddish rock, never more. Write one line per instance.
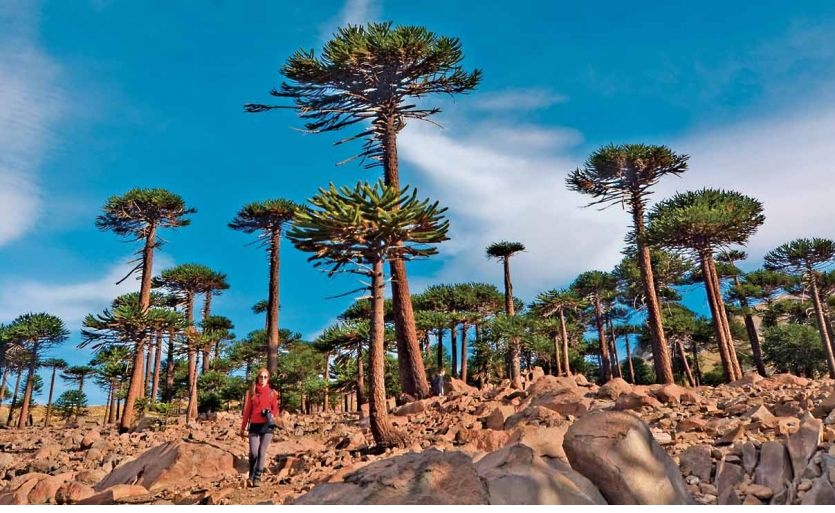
(113, 494)
(636, 401)
(89, 439)
(696, 460)
(498, 416)
(803, 444)
(774, 470)
(670, 394)
(613, 388)
(410, 408)
(73, 492)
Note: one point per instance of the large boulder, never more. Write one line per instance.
(614, 388)
(172, 464)
(497, 417)
(803, 444)
(430, 477)
(617, 452)
(517, 475)
(774, 470)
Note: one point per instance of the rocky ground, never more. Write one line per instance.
(559, 441)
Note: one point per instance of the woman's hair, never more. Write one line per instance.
(255, 381)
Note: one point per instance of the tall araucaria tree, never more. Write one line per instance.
(598, 287)
(212, 284)
(806, 257)
(357, 230)
(371, 76)
(558, 302)
(36, 332)
(502, 251)
(741, 293)
(268, 218)
(138, 215)
(55, 364)
(625, 175)
(702, 222)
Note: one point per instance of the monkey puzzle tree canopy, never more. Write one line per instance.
(801, 255)
(132, 213)
(704, 220)
(369, 73)
(264, 216)
(366, 223)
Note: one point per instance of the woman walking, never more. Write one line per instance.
(260, 409)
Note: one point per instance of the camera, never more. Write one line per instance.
(269, 416)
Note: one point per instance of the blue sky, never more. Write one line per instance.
(100, 96)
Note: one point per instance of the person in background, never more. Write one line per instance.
(438, 383)
(260, 408)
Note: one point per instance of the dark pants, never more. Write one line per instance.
(259, 440)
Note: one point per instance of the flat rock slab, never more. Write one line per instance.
(616, 451)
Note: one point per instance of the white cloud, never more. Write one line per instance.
(507, 189)
(70, 301)
(786, 162)
(518, 100)
(30, 102)
(354, 12)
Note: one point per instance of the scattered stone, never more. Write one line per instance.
(803, 444)
(696, 460)
(774, 470)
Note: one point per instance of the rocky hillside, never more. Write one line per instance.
(559, 441)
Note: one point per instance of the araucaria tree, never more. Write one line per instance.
(357, 230)
(268, 218)
(137, 215)
(54, 364)
(502, 251)
(702, 222)
(35, 332)
(625, 175)
(598, 287)
(806, 257)
(371, 76)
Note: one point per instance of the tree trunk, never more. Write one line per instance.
(718, 329)
(6, 371)
(616, 365)
(696, 367)
(683, 355)
(464, 352)
(14, 396)
(149, 367)
(515, 343)
(383, 432)
(453, 349)
(157, 367)
(204, 352)
(169, 369)
(564, 335)
(27, 395)
(49, 401)
(137, 373)
(753, 337)
(723, 313)
(825, 341)
(191, 411)
(273, 302)
(629, 361)
(327, 380)
(605, 363)
(111, 415)
(360, 381)
(661, 358)
(557, 367)
(409, 360)
(439, 334)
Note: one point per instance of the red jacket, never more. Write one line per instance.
(264, 397)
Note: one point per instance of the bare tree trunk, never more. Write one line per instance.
(273, 302)
(49, 401)
(718, 329)
(564, 335)
(191, 411)
(605, 363)
(157, 367)
(660, 352)
(327, 380)
(135, 388)
(821, 319)
(439, 334)
(6, 371)
(14, 396)
(720, 304)
(111, 414)
(107, 405)
(683, 355)
(515, 353)
(557, 368)
(149, 367)
(27, 394)
(629, 360)
(381, 428)
(360, 381)
(453, 348)
(616, 364)
(696, 367)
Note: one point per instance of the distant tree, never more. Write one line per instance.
(55, 364)
(35, 333)
(597, 287)
(805, 257)
(269, 218)
(503, 251)
(138, 215)
(71, 404)
(794, 348)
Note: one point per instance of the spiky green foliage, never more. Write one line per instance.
(124, 324)
(794, 348)
(264, 216)
(132, 213)
(801, 255)
(625, 173)
(187, 280)
(365, 224)
(71, 404)
(503, 249)
(373, 74)
(553, 301)
(669, 270)
(704, 220)
(78, 374)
